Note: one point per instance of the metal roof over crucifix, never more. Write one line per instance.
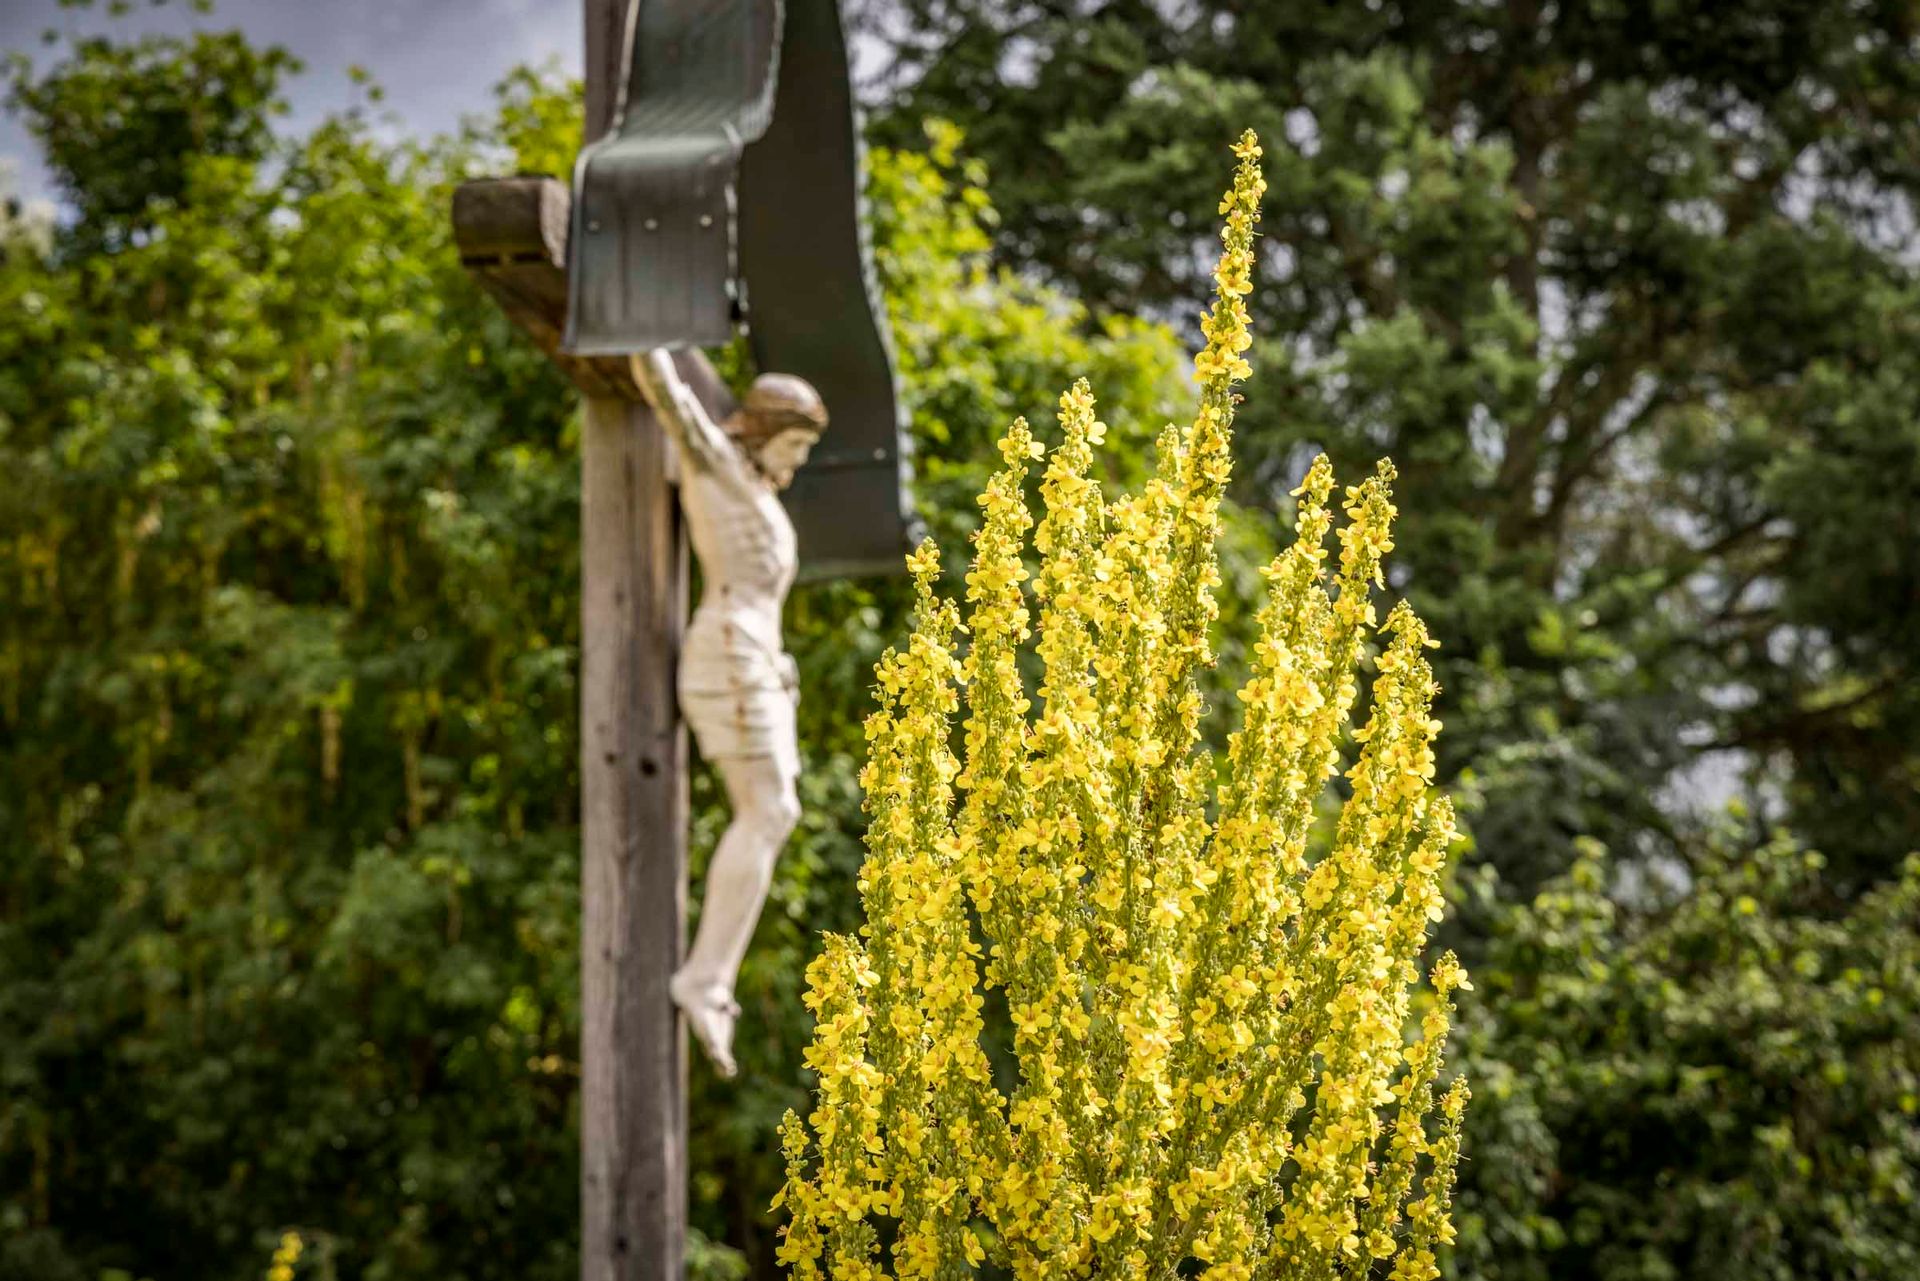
(729, 191)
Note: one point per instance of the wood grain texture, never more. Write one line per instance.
(633, 756)
(523, 217)
(633, 852)
(511, 234)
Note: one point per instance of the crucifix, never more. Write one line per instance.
(720, 185)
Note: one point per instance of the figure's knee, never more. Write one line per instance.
(762, 793)
(778, 810)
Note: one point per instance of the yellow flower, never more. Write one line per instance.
(285, 1256)
(1031, 1020)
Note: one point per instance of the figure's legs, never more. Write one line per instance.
(766, 808)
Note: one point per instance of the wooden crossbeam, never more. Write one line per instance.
(512, 236)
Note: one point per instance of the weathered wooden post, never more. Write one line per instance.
(512, 234)
(633, 814)
(518, 236)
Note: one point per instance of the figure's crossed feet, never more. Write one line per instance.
(711, 1012)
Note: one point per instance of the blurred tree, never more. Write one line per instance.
(288, 878)
(1625, 289)
(124, 126)
(1712, 1082)
(288, 883)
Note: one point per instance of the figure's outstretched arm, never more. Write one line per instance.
(701, 442)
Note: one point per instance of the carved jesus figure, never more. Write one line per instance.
(738, 686)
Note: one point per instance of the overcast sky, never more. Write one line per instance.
(435, 58)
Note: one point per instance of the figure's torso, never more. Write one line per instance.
(748, 558)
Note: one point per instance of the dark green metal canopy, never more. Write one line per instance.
(730, 189)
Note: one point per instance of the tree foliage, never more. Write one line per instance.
(287, 793)
(288, 537)
(1703, 1081)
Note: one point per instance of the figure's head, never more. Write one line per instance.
(779, 423)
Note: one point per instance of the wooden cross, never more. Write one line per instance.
(821, 320)
(512, 234)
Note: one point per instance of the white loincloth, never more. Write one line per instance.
(738, 696)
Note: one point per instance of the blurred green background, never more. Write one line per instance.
(288, 604)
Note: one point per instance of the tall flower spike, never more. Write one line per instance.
(1201, 1023)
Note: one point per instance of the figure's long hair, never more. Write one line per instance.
(777, 403)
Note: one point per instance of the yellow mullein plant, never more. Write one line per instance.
(1210, 999)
